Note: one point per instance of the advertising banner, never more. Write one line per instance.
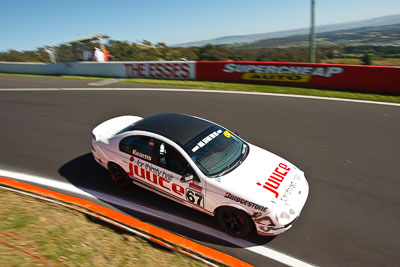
(176, 70)
(329, 76)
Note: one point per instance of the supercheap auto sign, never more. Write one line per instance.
(280, 73)
(266, 72)
(329, 76)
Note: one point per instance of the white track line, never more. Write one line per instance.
(199, 91)
(44, 181)
(104, 82)
(261, 250)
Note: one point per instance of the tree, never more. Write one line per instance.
(366, 59)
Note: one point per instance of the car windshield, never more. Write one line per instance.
(216, 151)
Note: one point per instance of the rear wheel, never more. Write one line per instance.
(234, 222)
(119, 176)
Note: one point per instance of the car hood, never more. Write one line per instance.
(252, 179)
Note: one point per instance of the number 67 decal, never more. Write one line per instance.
(194, 197)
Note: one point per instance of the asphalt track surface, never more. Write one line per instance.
(350, 153)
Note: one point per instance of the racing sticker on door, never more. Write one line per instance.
(158, 178)
(194, 197)
(165, 182)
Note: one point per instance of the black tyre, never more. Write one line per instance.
(119, 176)
(234, 222)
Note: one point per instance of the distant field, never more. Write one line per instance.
(356, 61)
(350, 61)
(387, 62)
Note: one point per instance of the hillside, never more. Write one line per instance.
(388, 35)
(374, 22)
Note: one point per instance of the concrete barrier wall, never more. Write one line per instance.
(30, 68)
(178, 70)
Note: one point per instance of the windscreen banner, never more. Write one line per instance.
(329, 76)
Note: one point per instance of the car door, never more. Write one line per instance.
(158, 167)
(172, 161)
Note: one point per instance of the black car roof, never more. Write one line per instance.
(179, 128)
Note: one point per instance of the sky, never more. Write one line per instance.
(28, 25)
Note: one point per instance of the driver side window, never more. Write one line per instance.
(140, 146)
(171, 159)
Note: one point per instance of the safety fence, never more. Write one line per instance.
(373, 79)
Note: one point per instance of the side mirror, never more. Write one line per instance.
(187, 178)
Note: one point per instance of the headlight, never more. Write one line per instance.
(283, 218)
(286, 217)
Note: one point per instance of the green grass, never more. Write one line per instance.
(242, 87)
(268, 89)
(65, 237)
(15, 218)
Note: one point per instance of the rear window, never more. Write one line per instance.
(140, 146)
(128, 128)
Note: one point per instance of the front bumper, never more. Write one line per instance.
(292, 202)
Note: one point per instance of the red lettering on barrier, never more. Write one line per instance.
(151, 68)
(168, 69)
(185, 71)
(135, 70)
(128, 69)
(176, 70)
(158, 70)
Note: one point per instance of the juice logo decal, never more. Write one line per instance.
(147, 167)
(281, 73)
(159, 70)
(275, 179)
(155, 177)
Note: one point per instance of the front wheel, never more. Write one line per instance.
(119, 176)
(234, 222)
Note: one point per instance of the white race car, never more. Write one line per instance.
(204, 166)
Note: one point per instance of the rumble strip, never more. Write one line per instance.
(147, 231)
